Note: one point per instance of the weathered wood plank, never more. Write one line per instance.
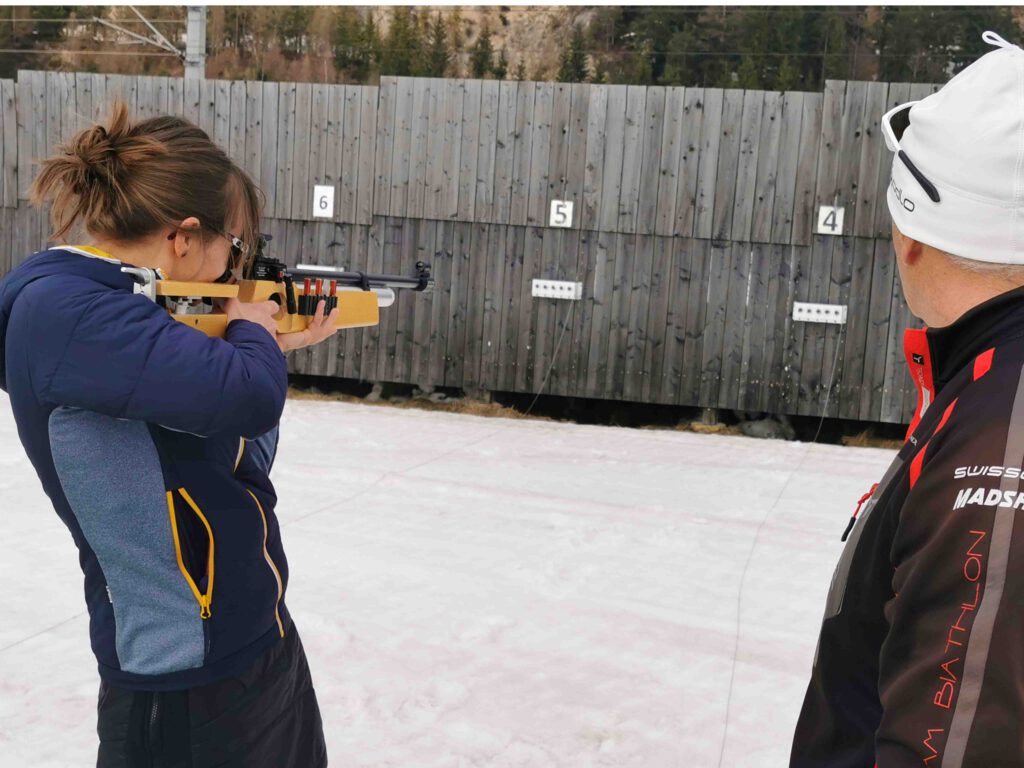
(558, 153)
(441, 265)
(651, 165)
(718, 274)
(533, 242)
(873, 154)
(522, 153)
(746, 171)
(505, 150)
(659, 320)
(400, 164)
(318, 150)
(813, 366)
(576, 162)
(593, 177)
(301, 189)
(285, 142)
(632, 164)
(423, 308)
(735, 319)
(729, 149)
(688, 170)
(8, 102)
(491, 303)
(827, 191)
(614, 152)
(668, 170)
(804, 211)
(537, 188)
(375, 264)
(677, 277)
(26, 115)
(601, 286)
(612, 350)
(423, 88)
(434, 178)
(857, 296)
(582, 314)
(269, 152)
(222, 114)
(469, 139)
(459, 306)
(254, 131)
(778, 327)
(347, 204)
(387, 96)
(368, 97)
(474, 120)
(761, 278)
(239, 123)
(782, 213)
(511, 304)
(768, 169)
(710, 112)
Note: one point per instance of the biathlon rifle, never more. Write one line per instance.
(359, 296)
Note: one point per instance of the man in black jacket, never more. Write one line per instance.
(920, 661)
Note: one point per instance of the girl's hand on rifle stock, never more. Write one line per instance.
(261, 313)
(319, 329)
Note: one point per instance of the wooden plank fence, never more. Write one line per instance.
(692, 231)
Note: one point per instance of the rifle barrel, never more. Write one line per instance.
(363, 279)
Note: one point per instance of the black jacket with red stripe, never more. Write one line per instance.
(920, 661)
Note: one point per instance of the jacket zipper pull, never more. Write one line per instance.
(853, 520)
(204, 607)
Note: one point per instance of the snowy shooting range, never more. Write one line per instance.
(475, 587)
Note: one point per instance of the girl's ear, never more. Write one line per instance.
(185, 236)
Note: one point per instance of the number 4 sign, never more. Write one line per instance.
(830, 220)
(323, 201)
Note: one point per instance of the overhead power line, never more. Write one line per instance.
(59, 52)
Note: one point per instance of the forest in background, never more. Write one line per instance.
(771, 47)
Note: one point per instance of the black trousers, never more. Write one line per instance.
(267, 717)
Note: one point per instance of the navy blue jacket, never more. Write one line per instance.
(154, 442)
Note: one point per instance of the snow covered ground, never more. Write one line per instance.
(492, 592)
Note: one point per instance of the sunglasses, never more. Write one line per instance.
(239, 250)
(894, 124)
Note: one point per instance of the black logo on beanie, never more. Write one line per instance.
(906, 202)
(919, 359)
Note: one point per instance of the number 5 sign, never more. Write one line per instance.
(561, 213)
(323, 201)
(830, 220)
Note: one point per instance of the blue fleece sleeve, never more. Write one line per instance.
(122, 355)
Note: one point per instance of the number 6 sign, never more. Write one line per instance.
(323, 201)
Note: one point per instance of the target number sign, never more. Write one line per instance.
(830, 220)
(323, 201)
(561, 213)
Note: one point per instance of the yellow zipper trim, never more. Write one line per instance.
(270, 562)
(205, 600)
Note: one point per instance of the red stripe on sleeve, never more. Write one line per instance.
(983, 363)
(916, 464)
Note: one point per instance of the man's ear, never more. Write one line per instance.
(908, 250)
(185, 236)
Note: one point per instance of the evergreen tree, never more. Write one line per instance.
(788, 76)
(401, 50)
(354, 42)
(501, 68)
(438, 55)
(573, 67)
(748, 76)
(481, 55)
